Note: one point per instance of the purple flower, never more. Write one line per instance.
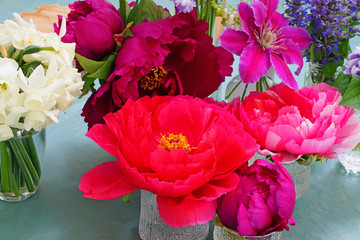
(263, 201)
(91, 24)
(266, 40)
(185, 6)
(353, 65)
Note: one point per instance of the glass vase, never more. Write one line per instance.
(20, 167)
(314, 75)
(301, 177)
(224, 233)
(152, 227)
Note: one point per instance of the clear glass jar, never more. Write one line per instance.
(301, 177)
(224, 233)
(152, 227)
(20, 165)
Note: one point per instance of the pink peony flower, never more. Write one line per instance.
(290, 123)
(91, 24)
(262, 203)
(172, 56)
(182, 149)
(266, 40)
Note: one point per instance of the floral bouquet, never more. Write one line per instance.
(140, 50)
(37, 81)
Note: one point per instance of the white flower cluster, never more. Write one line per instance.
(53, 83)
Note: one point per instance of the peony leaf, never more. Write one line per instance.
(106, 69)
(136, 14)
(124, 9)
(153, 12)
(91, 66)
(351, 98)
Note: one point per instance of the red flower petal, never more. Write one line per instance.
(102, 135)
(105, 181)
(188, 212)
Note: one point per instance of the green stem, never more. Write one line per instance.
(244, 92)
(28, 161)
(34, 156)
(232, 90)
(5, 184)
(21, 161)
(14, 187)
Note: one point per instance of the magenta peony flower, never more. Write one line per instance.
(182, 149)
(172, 56)
(91, 24)
(266, 40)
(290, 123)
(262, 203)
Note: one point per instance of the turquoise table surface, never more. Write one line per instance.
(329, 211)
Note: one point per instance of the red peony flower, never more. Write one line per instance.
(91, 24)
(172, 56)
(180, 148)
(262, 203)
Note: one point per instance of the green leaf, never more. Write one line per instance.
(30, 67)
(153, 12)
(88, 82)
(351, 98)
(342, 82)
(126, 198)
(106, 69)
(329, 70)
(31, 49)
(345, 47)
(124, 9)
(136, 15)
(89, 65)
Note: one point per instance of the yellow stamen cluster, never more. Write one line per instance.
(171, 141)
(153, 80)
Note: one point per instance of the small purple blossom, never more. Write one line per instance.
(353, 65)
(185, 6)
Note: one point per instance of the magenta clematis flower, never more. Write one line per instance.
(91, 24)
(266, 40)
(262, 203)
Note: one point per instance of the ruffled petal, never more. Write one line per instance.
(254, 63)
(102, 135)
(105, 181)
(188, 212)
(244, 227)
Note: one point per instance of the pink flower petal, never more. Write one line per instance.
(298, 35)
(259, 213)
(271, 6)
(282, 70)
(277, 19)
(260, 13)
(244, 227)
(105, 181)
(234, 41)
(246, 15)
(253, 64)
(180, 212)
(292, 54)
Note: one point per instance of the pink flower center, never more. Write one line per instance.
(154, 79)
(269, 37)
(171, 141)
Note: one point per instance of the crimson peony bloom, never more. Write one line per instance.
(290, 123)
(262, 203)
(173, 56)
(182, 149)
(266, 40)
(91, 24)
